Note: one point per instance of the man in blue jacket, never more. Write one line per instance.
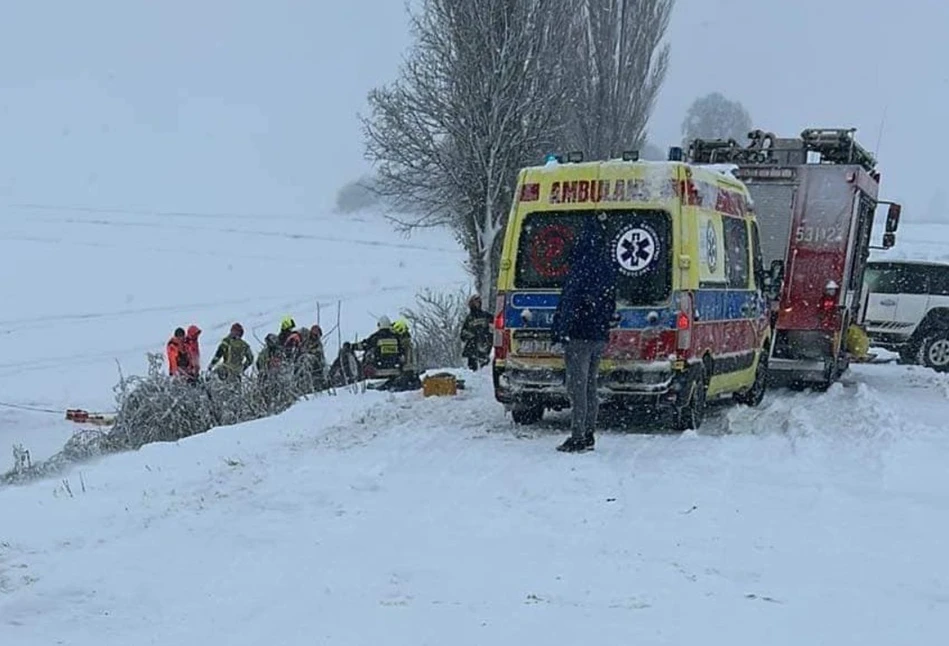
(582, 322)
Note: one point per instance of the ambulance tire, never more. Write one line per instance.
(755, 394)
(527, 415)
(689, 416)
(934, 352)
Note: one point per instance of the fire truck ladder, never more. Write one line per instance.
(833, 145)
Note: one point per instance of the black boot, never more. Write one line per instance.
(577, 444)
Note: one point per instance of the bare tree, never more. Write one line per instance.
(481, 94)
(715, 117)
(436, 323)
(619, 67)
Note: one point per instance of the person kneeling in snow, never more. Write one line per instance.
(389, 356)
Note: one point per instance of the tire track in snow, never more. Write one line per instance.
(851, 410)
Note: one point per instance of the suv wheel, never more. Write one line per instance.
(935, 351)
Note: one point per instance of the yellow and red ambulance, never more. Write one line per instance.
(693, 314)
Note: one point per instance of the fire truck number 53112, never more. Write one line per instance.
(833, 233)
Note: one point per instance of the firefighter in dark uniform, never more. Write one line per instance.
(476, 335)
(408, 379)
(312, 359)
(385, 358)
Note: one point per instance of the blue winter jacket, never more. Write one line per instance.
(588, 300)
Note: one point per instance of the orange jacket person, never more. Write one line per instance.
(177, 352)
(194, 353)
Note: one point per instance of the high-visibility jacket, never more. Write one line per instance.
(384, 350)
(178, 359)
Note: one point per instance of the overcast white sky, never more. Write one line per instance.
(224, 105)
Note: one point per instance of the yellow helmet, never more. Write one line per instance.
(401, 327)
(287, 324)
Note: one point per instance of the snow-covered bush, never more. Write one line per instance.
(157, 408)
(435, 325)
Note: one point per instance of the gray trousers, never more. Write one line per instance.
(582, 359)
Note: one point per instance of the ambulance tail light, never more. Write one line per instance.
(684, 326)
(500, 334)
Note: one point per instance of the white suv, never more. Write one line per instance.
(908, 310)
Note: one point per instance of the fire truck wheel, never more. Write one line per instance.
(935, 351)
(689, 416)
(753, 396)
(527, 415)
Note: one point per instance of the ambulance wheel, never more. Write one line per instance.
(689, 416)
(935, 351)
(527, 415)
(753, 396)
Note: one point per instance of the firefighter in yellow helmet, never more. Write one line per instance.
(289, 339)
(401, 329)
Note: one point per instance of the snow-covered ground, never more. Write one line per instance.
(367, 519)
(372, 518)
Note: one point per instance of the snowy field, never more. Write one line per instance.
(919, 241)
(391, 519)
(108, 287)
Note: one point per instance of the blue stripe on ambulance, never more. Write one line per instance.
(710, 305)
(725, 305)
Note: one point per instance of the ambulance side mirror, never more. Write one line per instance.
(893, 219)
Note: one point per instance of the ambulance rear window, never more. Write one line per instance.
(640, 244)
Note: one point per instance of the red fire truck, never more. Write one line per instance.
(815, 197)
